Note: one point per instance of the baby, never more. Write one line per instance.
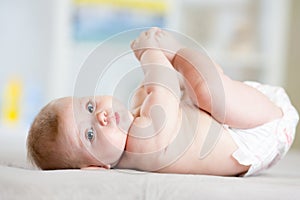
(200, 123)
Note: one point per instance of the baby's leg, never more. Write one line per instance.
(228, 101)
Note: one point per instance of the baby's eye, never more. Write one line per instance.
(90, 134)
(90, 107)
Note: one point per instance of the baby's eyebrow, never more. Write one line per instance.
(81, 102)
(84, 100)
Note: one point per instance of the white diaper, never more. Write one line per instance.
(263, 146)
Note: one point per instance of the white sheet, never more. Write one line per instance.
(280, 182)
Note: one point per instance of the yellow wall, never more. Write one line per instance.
(293, 63)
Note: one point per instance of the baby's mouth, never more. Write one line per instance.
(117, 117)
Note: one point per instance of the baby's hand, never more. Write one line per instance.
(167, 43)
(146, 40)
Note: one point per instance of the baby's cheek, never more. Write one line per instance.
(118, 139)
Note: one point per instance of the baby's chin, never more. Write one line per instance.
(115, 156)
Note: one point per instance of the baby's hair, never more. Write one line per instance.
(45, 143)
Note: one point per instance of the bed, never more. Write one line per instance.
(19, 181)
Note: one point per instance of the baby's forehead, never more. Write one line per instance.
(68, 127)
(68, 110)
(64, 110)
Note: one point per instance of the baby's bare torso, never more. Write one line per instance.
(197, 145)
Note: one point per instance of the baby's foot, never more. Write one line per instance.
(168, 43)
(146, 40)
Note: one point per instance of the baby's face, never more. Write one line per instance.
(97, 126)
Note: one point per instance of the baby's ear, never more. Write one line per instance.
(96, 167)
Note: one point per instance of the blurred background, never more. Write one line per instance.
(43, 44)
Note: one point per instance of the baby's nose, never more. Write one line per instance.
(102, 118)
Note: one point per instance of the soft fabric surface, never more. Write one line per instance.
(280, 182)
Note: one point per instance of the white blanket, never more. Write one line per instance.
(280, 182)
